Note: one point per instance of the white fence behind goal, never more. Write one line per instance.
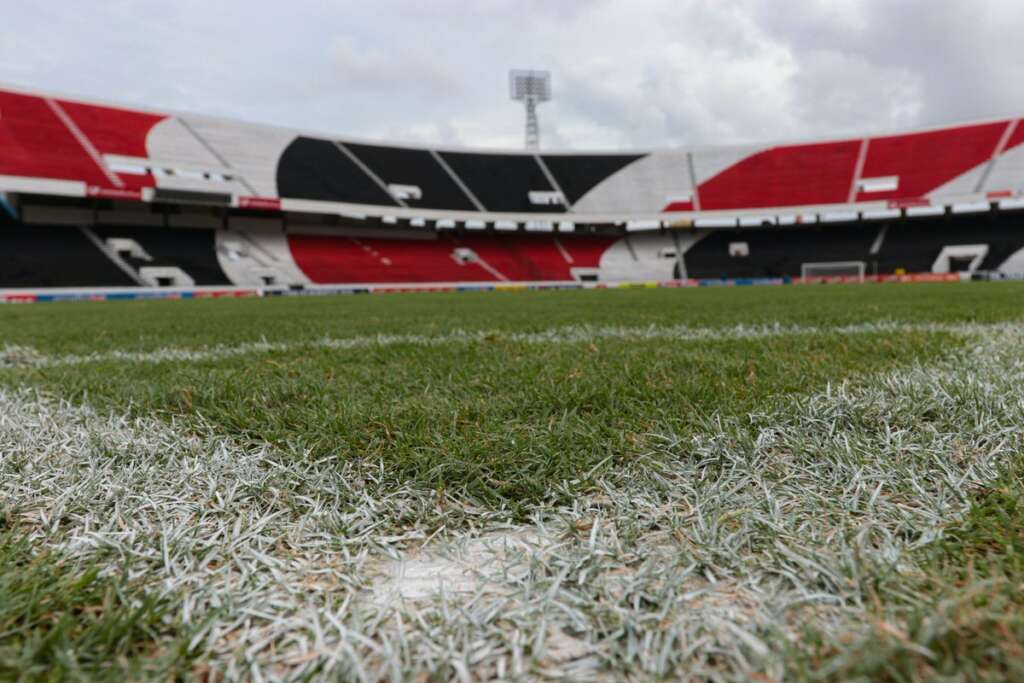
(833, 270)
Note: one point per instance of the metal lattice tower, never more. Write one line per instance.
(530, 88)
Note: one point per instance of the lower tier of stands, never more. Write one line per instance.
(54, 256)
(919, 245)
(40, 256)
(447, 257)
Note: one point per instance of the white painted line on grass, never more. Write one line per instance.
(708, 553)
(23, 356)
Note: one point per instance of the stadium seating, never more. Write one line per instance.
(538, 257)
(45, 255)
(320, 169)
(193, 251)
(503, 182)
(577, 175)
(71, 148)
(885, 247)
(448, 258)
(915, 245)
(54, 256)
(924, 161)
(330, 260)
(417, 168)
(776, 252)
(794, 175)
(228, 203)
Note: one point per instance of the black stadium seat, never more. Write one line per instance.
(777, 252)
(192, 250)
(320, 170)
(54, 256)
(577, 175)
(414, 167)
(502, 182)
(915, 244)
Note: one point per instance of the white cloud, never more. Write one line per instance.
(627, 73)
(386, 70)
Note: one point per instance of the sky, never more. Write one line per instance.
(626, 74)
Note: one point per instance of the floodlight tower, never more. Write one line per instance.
(531, 88)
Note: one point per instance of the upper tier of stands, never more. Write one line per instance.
(415, 168)
(54, 145)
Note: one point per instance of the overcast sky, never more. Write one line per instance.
(626, 73)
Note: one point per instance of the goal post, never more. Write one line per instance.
(835, 271)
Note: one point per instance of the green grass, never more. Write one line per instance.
(647, 456)
(72, 327)
(968, 621)
(62, 620)
(498, 421)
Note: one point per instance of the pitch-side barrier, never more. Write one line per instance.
(144, 293)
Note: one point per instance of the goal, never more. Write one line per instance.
(842, 271)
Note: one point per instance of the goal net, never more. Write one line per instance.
(833, 271)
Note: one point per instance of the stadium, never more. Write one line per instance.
(148, 200)
(714, 413)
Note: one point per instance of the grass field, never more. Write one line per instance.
(794, 483)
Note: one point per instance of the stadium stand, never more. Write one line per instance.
(332, 260)
(98, 195)
(43, 256)
(776, 252)
(185, 256)
(917, 245)
(321, 169)
(911, 245)
(54, 256)
(794, 175)
(539, 257)
(60, 146)
(924, 161)
(414, 168)
(577, 175)
(504, 182)
(446, 258)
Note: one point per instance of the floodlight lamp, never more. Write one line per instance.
(531, 88)
(530, 85)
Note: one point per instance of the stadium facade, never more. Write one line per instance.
(99, 198)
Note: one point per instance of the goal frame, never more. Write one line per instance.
(808, 275)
